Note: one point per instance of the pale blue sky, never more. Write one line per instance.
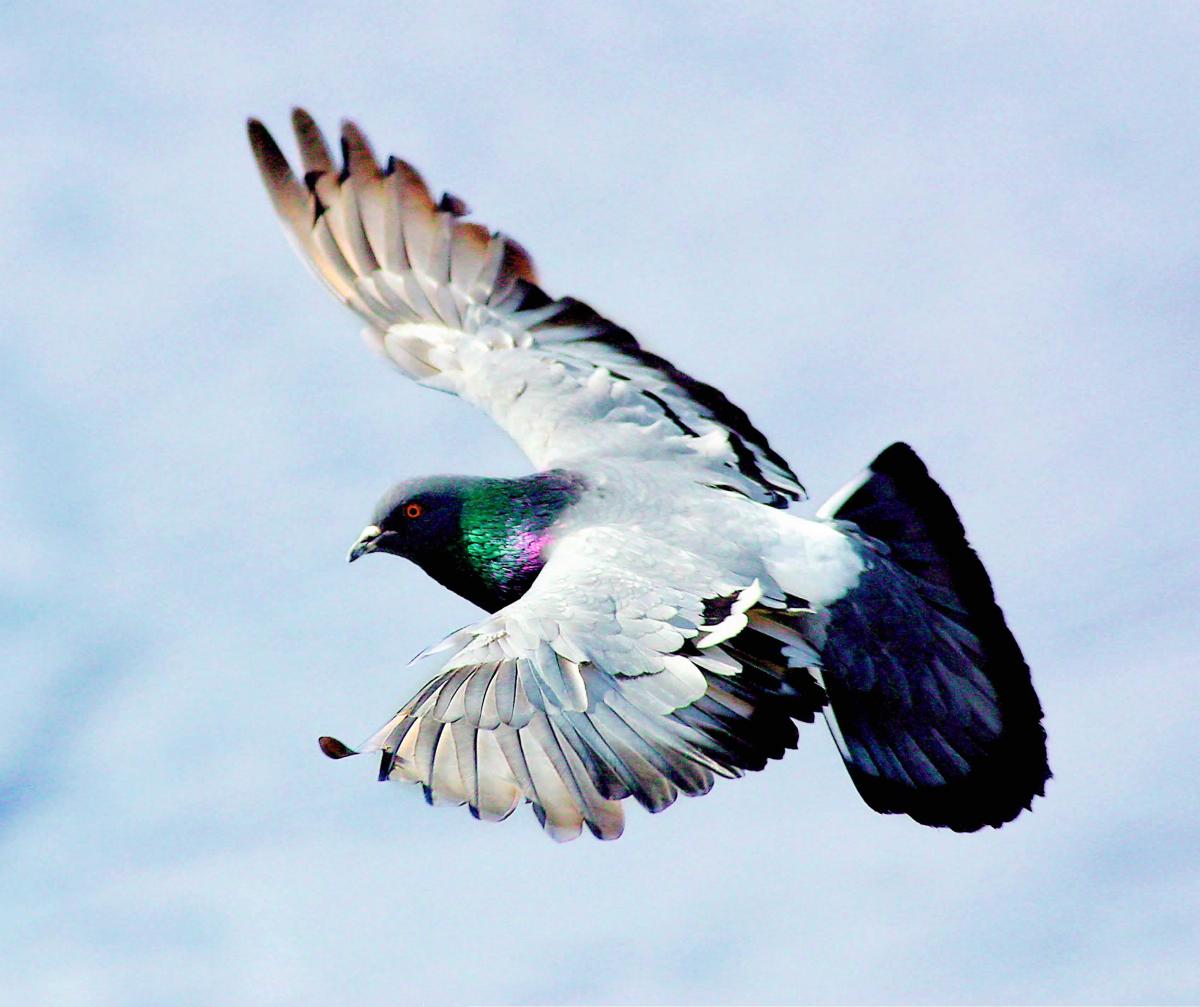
(973, 231)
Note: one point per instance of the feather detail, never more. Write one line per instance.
(435, 288)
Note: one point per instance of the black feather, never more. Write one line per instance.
(920, 662)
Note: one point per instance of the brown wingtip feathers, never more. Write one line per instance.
(357, 156)
(450, 203)
(314, 152)
(377, 236)
(266, 150)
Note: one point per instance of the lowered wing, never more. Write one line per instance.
(458, 308)
(629, 669)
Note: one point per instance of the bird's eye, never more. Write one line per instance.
(413, 510)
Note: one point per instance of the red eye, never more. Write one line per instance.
(413, 510)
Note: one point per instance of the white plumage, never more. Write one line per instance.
(458, 309)
(676, 629)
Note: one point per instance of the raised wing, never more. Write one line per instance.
(458, 308)
(600, 684)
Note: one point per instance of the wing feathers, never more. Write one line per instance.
(573, 701)
(497, 792)
(314, 154)
(357, 155)
(437, 287)
(472, 736)
(481, 685)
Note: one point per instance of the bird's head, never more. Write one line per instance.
(416, 519)
(481, 538)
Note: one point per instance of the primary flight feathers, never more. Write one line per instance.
(439, 294)
(658, 618)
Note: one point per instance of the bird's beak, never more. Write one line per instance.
(366, 542)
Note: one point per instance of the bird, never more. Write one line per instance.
(656, 615)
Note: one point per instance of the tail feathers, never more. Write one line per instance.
(931, 700)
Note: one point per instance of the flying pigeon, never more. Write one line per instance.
(656, 615)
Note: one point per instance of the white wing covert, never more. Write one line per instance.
(599, 684)
(458, 308)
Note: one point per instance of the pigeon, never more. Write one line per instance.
(656, 614)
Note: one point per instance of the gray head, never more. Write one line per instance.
(415, 519)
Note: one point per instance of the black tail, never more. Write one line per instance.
(930, 698)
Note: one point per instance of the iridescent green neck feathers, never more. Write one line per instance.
(482, 538)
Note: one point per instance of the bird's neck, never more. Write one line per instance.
(505, 526)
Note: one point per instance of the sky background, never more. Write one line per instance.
(972, 230)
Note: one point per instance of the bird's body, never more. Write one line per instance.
(657, 616)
